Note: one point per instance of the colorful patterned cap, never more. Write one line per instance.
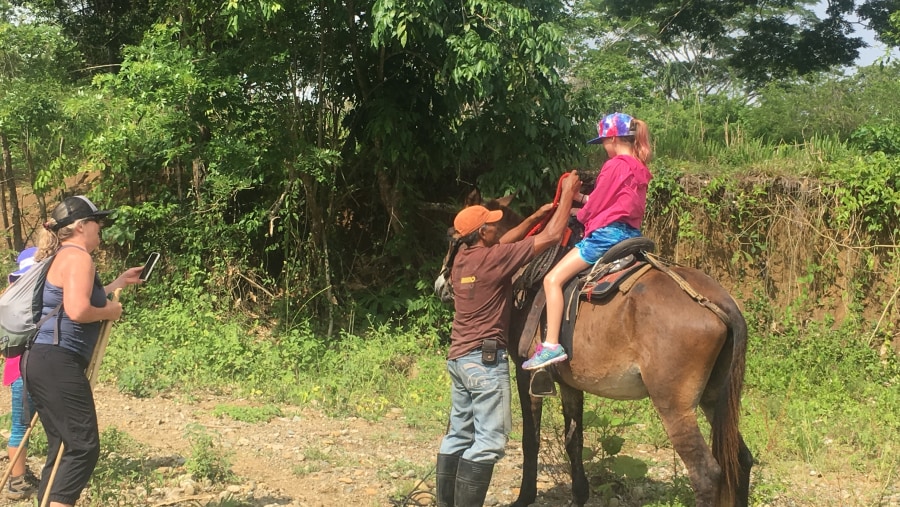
(613, 125)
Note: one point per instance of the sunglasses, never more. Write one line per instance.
(98, 221)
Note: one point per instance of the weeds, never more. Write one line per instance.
(250, 415)
(314, 460)
(207, 460)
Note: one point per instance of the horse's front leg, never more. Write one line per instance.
(531, 438)
(573, 415)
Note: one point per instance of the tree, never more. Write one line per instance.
(883, 17)
(35, 77)
(318, 129)
(761, 41)
(298, 142)
(101, 28)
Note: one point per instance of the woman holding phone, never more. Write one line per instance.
(54, 368)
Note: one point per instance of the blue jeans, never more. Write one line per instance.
(480, 418)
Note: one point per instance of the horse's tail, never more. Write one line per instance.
(727, 444)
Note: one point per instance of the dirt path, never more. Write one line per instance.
(308, 459)
(301, 459)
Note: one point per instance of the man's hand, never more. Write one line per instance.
(572, 183)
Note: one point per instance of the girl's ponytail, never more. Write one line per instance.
(642, 149)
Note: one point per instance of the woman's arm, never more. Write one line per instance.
(128, 277)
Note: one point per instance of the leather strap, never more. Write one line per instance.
(626, 286)
(652, 259)
(531, 322)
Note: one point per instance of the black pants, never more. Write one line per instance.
(65, 403)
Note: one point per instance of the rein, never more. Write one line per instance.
(546, 219)
(540, 265)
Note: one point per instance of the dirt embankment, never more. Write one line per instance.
(772, 241)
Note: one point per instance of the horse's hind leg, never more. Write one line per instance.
(705, 473)
(531, 439)
(573, 414)
(745, 458)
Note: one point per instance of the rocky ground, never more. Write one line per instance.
(305, 458)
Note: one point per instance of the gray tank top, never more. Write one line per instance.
(75, 336)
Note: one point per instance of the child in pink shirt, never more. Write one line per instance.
(22, 483)
(613, 212)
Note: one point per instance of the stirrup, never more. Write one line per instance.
(541, 384)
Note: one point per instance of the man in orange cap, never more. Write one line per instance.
(480, 418)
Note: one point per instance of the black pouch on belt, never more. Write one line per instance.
(489, 351)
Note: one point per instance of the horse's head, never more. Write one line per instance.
(510, 218)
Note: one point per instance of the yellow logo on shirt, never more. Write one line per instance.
(467, 279)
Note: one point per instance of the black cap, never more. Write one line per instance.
(75, 208)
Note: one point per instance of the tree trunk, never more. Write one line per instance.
(179, 172)
(391, 200)
(16, 222)
(197, 168)
(32, 177)
(320, 240)
(6, 176)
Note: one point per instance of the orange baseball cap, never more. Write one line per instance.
(471, 218)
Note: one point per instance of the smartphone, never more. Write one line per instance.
(149, 265)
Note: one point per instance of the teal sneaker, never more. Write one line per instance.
(545, 356)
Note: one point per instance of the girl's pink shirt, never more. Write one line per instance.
(620, 195)
(11, 370)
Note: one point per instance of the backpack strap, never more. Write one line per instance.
(56, 311)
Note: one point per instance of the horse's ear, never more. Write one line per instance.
(473, 198)
(506, 199)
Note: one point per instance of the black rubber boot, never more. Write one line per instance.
(446, 479)
(472, 481)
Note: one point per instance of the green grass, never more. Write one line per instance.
(822, 395)
(247, 414)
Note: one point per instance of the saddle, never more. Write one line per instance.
(623, 262)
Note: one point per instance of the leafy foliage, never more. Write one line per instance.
(208, 460)
(869, 190)
(826, 105)
(819, 402)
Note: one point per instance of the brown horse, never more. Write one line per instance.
(657, 341)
